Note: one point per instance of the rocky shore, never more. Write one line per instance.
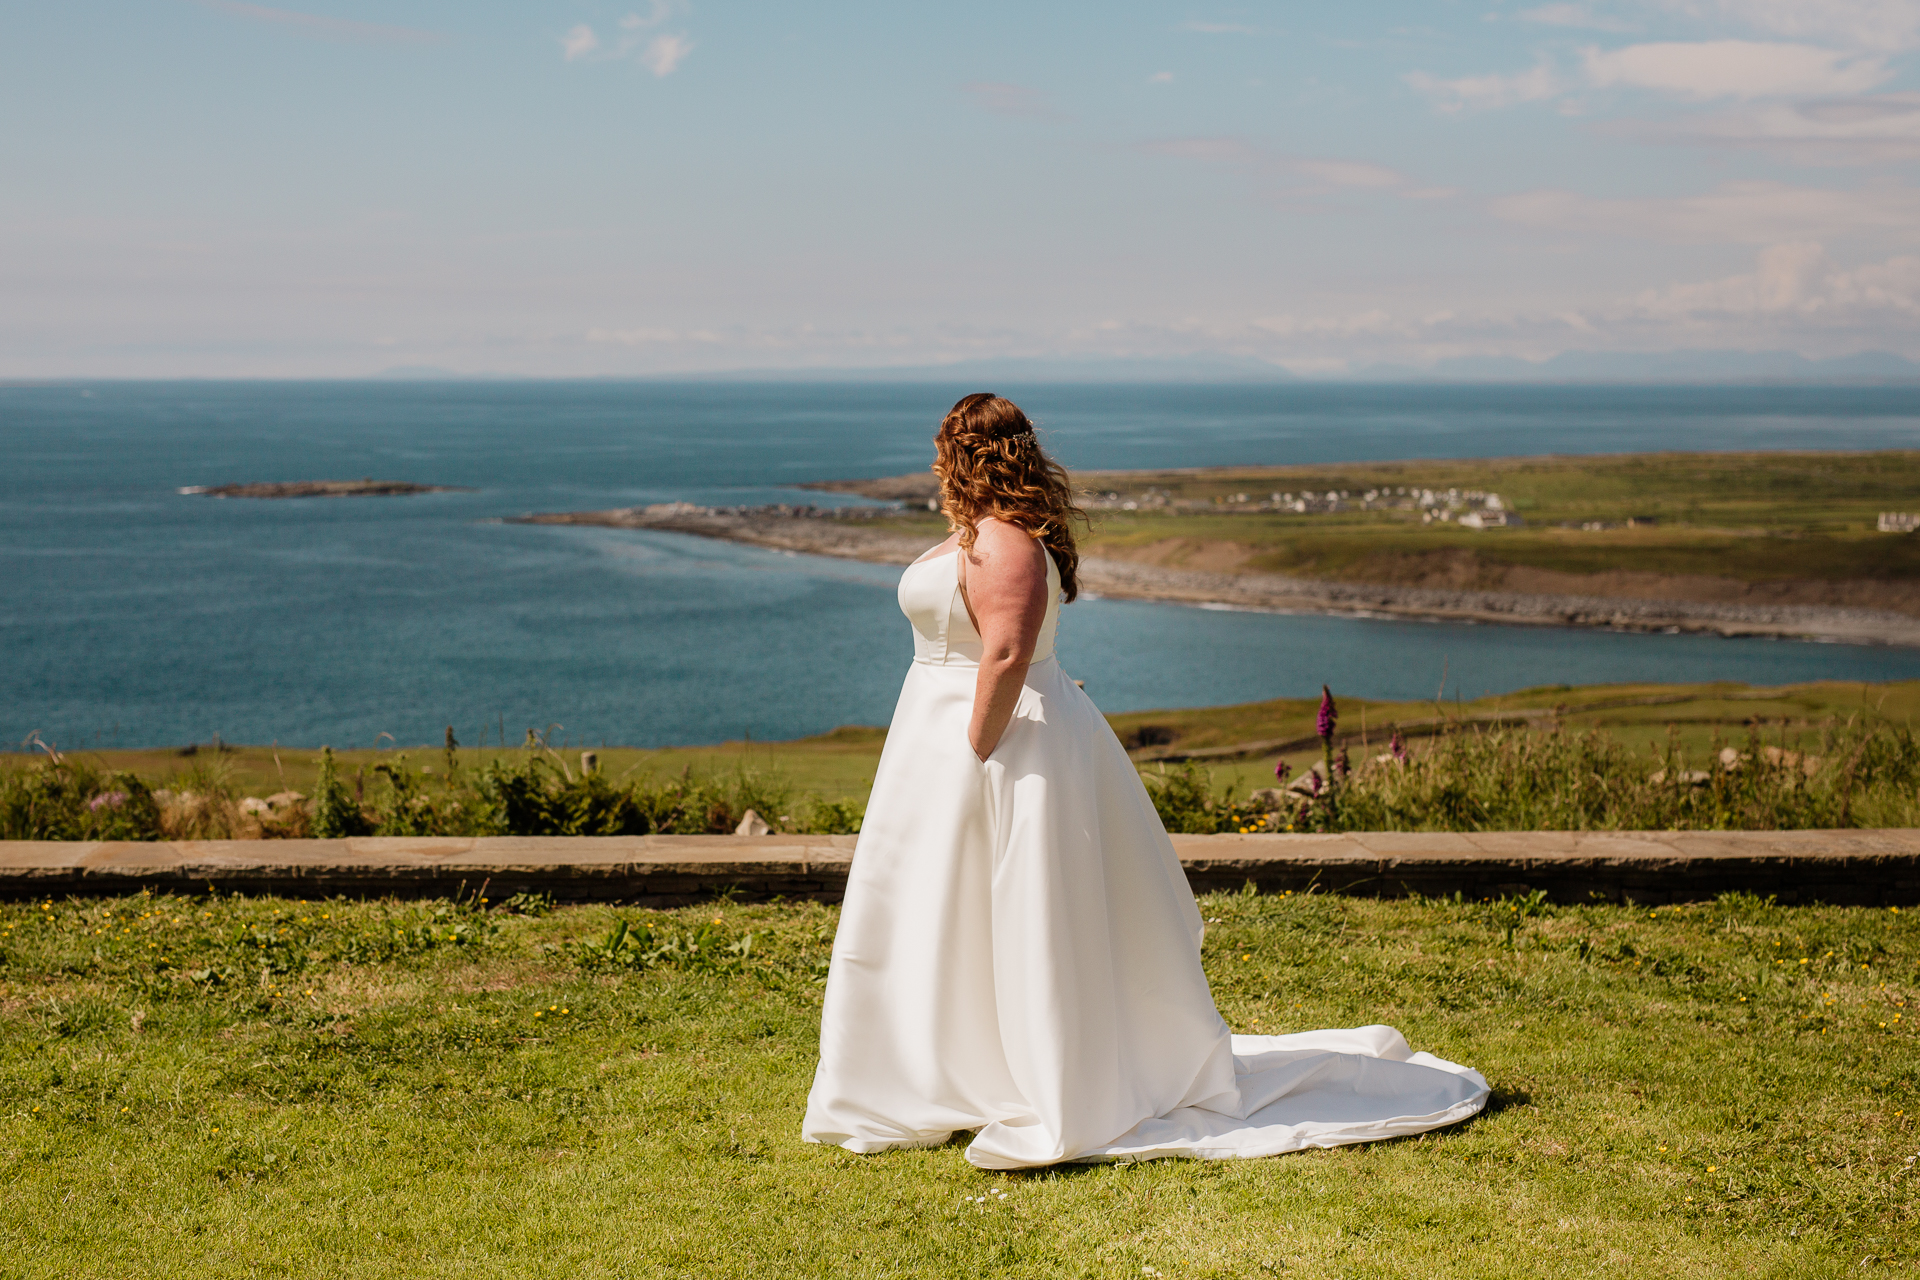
(854, 534)
(319, 489)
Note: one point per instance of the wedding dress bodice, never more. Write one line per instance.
(943, 633)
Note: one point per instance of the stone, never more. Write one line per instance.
(589, 763)
(1266, 799)
(281, 800)
(752, 824)
(254, 804)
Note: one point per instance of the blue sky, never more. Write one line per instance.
(212, 188)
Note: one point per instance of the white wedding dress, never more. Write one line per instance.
(1019, 953)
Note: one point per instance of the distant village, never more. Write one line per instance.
(1469, 508)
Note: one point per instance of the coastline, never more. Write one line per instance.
(849, 534)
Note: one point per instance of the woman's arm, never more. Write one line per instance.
(1007, 595)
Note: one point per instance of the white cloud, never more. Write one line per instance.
(1571, 15)
(1493, 90)
(1863, 130)
(650, 337)
(1350, 173)
(1700, 70)
(1883, 25)
(664, 53)
(1733, 213)
(997, 97)
(579, 42)
(1160, 77)
(1796, 281)
(660, 54)
(1374, 323)
(1310, 176)
(1732, 69)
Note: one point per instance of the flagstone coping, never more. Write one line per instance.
(1860, 867)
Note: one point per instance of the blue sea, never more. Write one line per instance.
(135, 616)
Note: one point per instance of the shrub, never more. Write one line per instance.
(332, 813)
(67, 799)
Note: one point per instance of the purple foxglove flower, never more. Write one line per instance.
(1340, 766)
(1313, 784)
(1398, 747)
(1281, 770)
(1329, 715)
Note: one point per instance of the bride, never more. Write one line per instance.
(1019, 953)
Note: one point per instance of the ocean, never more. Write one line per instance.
(133, 615)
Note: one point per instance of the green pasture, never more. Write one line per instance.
(1750, 517)
(1698, 718)
(228, 1087)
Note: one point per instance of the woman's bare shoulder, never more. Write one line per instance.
(1006, 546)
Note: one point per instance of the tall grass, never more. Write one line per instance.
(533, 793)
(1470, 779)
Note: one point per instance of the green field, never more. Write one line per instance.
(1699, 718)
(232, 1087)
(1770, 526)
(837, 765)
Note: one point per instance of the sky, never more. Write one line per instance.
(558, 188)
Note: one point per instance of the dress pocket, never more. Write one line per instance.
(1031, 705)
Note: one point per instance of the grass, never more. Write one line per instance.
(1696, 719)
(272, 1088)
(1748, 517)
(836, 765)
(1626, 731)
(1802, 524)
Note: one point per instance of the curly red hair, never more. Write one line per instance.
(990, 464)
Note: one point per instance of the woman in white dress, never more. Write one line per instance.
(1019, 952)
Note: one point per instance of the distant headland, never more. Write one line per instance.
(368, 488)
(1791, 544)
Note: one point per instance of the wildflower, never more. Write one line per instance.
(1329, 716)
(107, 800)
(1398, 747)
(1282, 769)
(1340, 766)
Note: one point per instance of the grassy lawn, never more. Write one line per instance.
(271, 1088)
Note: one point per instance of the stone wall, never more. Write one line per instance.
(1869, 868)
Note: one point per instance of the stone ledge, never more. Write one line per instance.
(1853, 867)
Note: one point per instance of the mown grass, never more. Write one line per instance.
(260, 1087)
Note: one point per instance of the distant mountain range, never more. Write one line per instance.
(1567, 367)
(1659, 366)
